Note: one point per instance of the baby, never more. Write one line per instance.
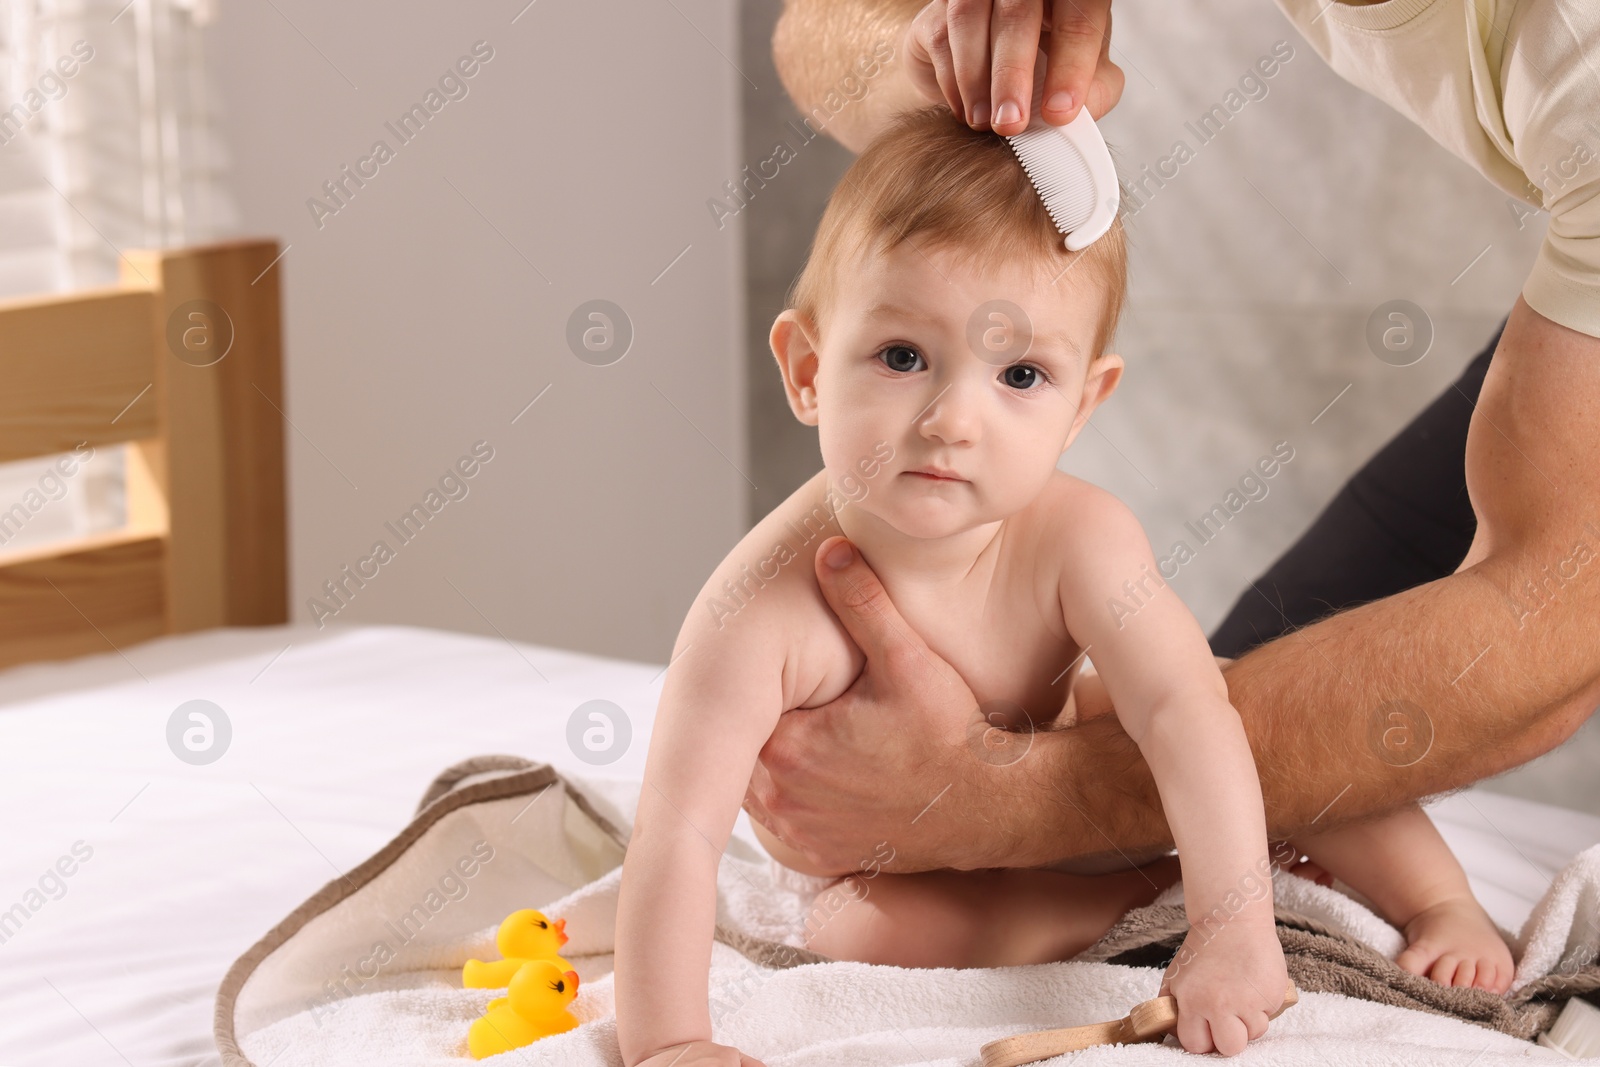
(949, 349)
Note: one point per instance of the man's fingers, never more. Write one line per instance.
(1014, 29)
(927, 49)
(859, 600)
(968, 22)
(1078, 38)
(752, 799)
(1106, 88)
(930, 56)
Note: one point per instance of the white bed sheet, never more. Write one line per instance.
(335, 735)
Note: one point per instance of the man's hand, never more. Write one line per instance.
(979, 57)
(838, 781)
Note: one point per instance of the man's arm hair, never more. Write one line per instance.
(819, 43)
(1407, 697)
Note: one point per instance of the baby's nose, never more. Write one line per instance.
(952, 417)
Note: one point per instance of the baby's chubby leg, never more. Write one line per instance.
(1402, 865)
(989, 918)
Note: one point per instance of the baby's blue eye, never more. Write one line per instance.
(1023, 377)
(895, 358)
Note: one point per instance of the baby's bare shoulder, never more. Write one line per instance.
(1073, 513)
(1075, 535)
(766, 590)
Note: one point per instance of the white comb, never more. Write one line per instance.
(1071, 168)
(1576, 1033)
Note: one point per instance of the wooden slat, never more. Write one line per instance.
(69, 368)
(205, 543)
(143, 491)
(107, 594)
(221, 466)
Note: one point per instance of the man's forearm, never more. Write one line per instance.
(1416, 695)
(1335, 713)
(819, 44)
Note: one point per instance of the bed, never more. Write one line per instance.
(335, 734)
(141, 859)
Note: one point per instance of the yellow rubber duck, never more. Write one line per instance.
(535, 1006)
(525, 935)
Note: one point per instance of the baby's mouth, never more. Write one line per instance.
(934, 475)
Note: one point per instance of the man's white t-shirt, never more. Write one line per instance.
(1510, 86)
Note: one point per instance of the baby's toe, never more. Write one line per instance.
(1443, 970)
(1417, 958)
(1495, 977)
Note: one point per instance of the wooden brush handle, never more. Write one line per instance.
(1150, 1020)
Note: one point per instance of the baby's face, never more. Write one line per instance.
(928, 356)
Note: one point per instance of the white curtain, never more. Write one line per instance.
(109, 139)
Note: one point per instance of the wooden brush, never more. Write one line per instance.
(1150, 1020)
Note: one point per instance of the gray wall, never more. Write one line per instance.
(779, 223)
(433, 307)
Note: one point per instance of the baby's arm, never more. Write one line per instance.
(718, 706)
(1172, 701)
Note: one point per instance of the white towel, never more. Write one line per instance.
(1563, 932)
(819, 1015)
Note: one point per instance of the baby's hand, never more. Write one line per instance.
(1227, 982)
(699, 1054)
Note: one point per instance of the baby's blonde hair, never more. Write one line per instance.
(931, 179)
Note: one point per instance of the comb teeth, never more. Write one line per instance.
(1059, 173)
(1576, 1031)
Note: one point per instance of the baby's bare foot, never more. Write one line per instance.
(1455, 943)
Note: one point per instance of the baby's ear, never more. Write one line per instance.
(794, 346)
(1104, 375)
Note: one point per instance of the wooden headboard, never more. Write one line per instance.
(182, 363)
